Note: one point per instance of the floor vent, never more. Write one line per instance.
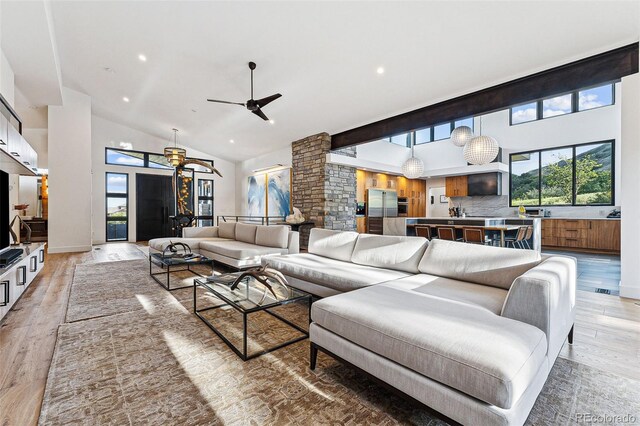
(603, 290)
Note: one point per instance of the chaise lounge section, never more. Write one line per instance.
(470, 331)
(235, 244)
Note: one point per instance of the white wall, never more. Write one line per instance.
(630, 165)
(70, 173)
(244, 169)
(109, 134)
(28, 193)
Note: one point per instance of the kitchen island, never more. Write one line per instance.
(498, 225)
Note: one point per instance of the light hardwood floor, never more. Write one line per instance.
(607, 332)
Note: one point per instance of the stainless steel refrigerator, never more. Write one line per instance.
(380, 204)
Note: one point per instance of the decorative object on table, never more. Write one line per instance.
(413, 167)
(296, 217)
(279, 192)
(482, 149)
(257, 195)
(614, 214)
(174, 250)
(461, 135)
(252, 104)
(262, 275)
(175, 154)
(522, 212)
(22, 224)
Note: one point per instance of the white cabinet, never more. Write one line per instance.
(4, 128)
(16, 147)
(15, 279)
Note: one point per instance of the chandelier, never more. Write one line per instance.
(174, 154)
(477, 150)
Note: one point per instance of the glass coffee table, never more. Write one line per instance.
(251, 297)
(170, 265)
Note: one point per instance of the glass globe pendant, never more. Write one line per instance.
(481, 150)
(413, 167)
(461, 135)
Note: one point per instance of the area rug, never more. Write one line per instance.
(159, 364)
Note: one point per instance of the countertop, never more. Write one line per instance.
(581, 218)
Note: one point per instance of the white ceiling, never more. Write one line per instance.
(322, 57)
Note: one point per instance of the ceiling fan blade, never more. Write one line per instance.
(226, 102)
(260, 114)
(264, 101)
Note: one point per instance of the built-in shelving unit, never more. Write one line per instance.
(16, 277)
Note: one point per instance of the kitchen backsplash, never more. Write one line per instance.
(498, 206)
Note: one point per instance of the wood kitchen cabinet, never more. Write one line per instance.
(456, 186)
(583, 234)
(361, 224)
(402, 186)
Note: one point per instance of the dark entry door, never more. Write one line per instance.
(154, 204)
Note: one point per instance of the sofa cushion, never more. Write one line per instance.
(159, 244)
(466, 347)
(200, 232)
(331, 273)
(246, 232)
(493, 266)
(227, 230)
(333, 244)
(391, 252)
(239, 249)
(490, 298)
(272, 236)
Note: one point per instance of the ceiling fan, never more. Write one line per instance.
(252, 104)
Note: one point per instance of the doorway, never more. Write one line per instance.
(155, 203)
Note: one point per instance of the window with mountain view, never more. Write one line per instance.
(577, 175)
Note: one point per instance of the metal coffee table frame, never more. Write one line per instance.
(245, 313)
(156, 259)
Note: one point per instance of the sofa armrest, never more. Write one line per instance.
(200, 232)
(294, 242)
(545, 297)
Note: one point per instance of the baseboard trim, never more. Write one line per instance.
(630, 292)
(68, 249)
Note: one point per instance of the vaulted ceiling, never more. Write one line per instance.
(322, 56)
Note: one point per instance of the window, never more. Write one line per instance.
(423, 136)
(402, 140)
(578, 100)
(595, 97)
(205, 202)
(117, 206)
(119, 157)
(524, 113)
(464, 122)
(558, 105)
(442, 131)
(578, 175)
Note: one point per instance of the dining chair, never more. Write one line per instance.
(447, 233)
(475, 236)
(516, 241)
(424, 231)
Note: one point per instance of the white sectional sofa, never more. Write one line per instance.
(470, 331)
(236, 244)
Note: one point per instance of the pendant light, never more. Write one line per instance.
(461, 135)
(413, 167)
(481, 149)
(174, 154)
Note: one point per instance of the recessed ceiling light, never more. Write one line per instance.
(109, 69)
(380, 70)
(272, 121)
(193, 110)
(142, 58)
(124, 98)
(232, 141)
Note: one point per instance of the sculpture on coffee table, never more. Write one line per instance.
(262, 275)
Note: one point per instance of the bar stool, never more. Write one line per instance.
(475, 236)
(424, 231)
(516, 242)
(528, 236)
(447, 233)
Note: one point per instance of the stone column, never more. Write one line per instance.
(324, 193)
